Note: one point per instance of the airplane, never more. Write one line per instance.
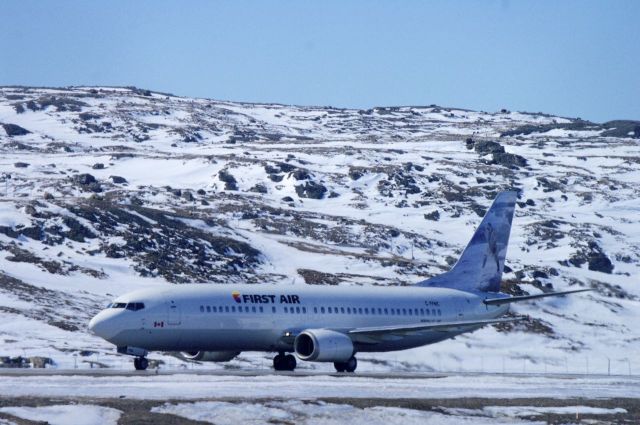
(206, 322)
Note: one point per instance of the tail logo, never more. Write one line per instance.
(236, 296)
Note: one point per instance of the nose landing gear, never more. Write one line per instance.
(284, 362)
(141, 363)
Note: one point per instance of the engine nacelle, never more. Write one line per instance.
(210, 356)
(322, 345)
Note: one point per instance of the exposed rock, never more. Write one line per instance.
(311, 190)
(300, 174)
(98, 166)
(508, 160)
(21, 165)
(356, 172)
(229, 181)
(15, 130)
(259, 188)
(484, 147)
(118, 179)
(433, 216)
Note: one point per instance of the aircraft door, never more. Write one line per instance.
(173, 314)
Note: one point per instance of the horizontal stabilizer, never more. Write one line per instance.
(439, 326)
(507, 300)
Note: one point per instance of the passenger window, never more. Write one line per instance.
(428, 314)
(439, 312)
(286, 309)
(348, 310)
(226, 308)
(322, 310)
(201, 309)
(342, 310)
(422, 312)
(304, 310)
(261, 309)
(329, 310)
(253, 309)
(214, 309)
(298, 310)
(385, 311)
(273, 309)
(415, 312)
(291, 310)
(379, 310)
(410, 312)
(360, 310)
(315, 310)
(393, 312)
(233, 308)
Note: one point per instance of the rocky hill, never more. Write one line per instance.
(104, 190)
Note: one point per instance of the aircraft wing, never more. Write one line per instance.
(507, 300)
(435, 326)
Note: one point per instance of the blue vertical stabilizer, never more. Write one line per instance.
(480, 266)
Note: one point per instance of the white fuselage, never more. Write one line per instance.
(260, 318)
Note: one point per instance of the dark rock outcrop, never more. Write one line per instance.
(230, 182)
(484, 147)
(15, 130)
(311, 190)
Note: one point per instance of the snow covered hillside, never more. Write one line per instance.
(105, 190)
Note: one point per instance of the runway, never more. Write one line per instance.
(107, 372)
(157, 396)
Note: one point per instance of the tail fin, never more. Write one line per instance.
(480, 266)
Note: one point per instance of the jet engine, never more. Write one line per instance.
(210, 356)
(322, 345)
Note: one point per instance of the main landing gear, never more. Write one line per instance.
(348, 366)
(284, 362)
(141, 363)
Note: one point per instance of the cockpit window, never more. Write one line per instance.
(135, 306)
(118, 305)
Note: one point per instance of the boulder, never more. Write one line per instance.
(118, 179)
(509, 160)
(15, 130)
(311, 190)
(433, 216)
(230, 182)
(484, 147)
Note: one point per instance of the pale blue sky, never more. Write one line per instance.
(572, 58)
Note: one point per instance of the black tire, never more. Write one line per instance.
(141, 363)
(290, 362)
(340, 366)
(278, 362)
(351, 365)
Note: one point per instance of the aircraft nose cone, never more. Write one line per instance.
(99, 326)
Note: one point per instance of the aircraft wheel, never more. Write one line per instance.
(340, 366)
(278, 362)
(290, 362)
(351, 365)
(141, 363)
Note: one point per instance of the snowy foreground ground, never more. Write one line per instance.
(473, 399)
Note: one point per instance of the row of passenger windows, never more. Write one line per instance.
(379, 311)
